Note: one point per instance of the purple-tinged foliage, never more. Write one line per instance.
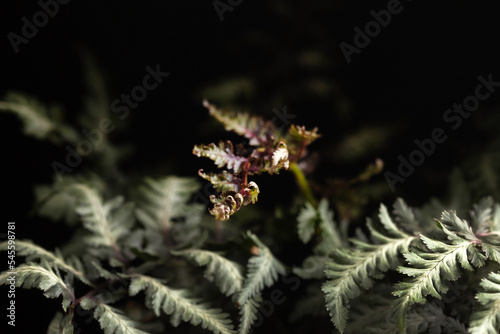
(269, 152)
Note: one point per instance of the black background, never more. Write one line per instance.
(428, 58)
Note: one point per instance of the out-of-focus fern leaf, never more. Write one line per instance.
(111, 320)
(312, 303)
(350, 271)
(404, 215)
(39, 120)
(43, 277)
(226, 274)
(313, 267)
(229, 89)
(307, 222)
(298, 138)
(495, 222)
(430, 318)
(486, 319)
(34, 252)
(99, 271)
(61, 324)
(56, 205)
(179, 305)
(263, 270)
(331, 239)
(222, 155)
(330, 234)
(483, 170)
(482, 215)
(458, 197)
(96, 98)
(163, 200)
(109, 221)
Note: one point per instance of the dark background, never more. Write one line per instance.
(428, 58)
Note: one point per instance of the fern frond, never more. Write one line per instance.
(164, 199)
(482, 215)
(108, 221)
(226, 274)
(492, 252)
(429, 271)
(222, 155)
(388, 223)
(38, 120)
(248, 314)
(313, 267)
(430, 318)
(495, 222)
(228, 203)
(96, 99)
(99, 271)
(32, 252)
(222, 182)
(263, 271)
(354, 270)
(298, 137)
(306, 222)
(404, 215)
(486, 319)
(330, 235)
(111, 320)
(61, 324)
(456, 228)
(43, 277)
(179, 305)
(252, 127)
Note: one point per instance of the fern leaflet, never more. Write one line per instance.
(252, 127)
(306, 222)
(429, 270)
(38, 120)
(354, 270)
(112, 320)
(32, 251)
(222, 154)
(226, 274)
(263, 270)
(486, 320)
(179, 305)
(163, 200)
(43, 277)
(248, 314)
(61, 324)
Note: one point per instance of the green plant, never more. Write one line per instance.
(143, 256)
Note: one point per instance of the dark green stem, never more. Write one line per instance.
(302, 183)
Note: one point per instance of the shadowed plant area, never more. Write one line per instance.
(238, 167)
(132, 262)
